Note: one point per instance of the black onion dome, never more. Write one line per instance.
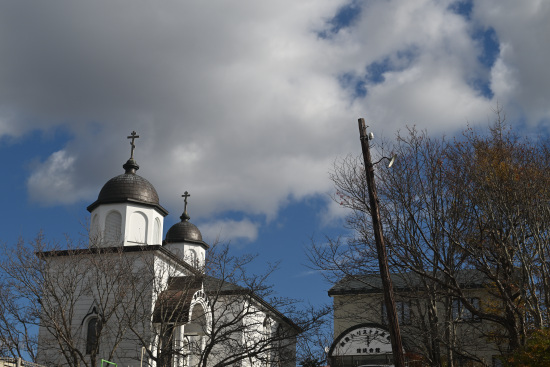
(183, 231)
(128, 187)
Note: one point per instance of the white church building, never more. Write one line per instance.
(131, 298)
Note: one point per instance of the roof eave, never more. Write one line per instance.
(158, 207)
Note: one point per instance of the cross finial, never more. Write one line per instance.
(133, 136)
(185, 216)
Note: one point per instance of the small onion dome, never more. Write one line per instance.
(184, 231)
(128, 187)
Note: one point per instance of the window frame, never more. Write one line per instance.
(403, 310)
(460, 313)
(92, 334)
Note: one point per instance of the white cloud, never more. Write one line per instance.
(520, 76)
(504, 78)
(332, 217)
(241, 103)
(230, 231)
(53, 181)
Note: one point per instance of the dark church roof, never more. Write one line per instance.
(184, 231)
(173, 304)
(372, 283)
(129, 187)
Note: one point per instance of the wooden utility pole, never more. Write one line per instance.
(396, 343)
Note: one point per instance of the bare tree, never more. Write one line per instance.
(143, 304)
(218, 316)
(456, 213)
(313, 344)
(43, 287)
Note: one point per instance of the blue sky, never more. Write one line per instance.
(245, 104)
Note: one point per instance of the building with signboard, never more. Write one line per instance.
(361, 335)
(362, 344)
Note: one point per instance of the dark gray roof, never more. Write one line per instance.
(184, 231)
(180, 290)
(119, 249)
(372, 283)
(173, 304)
(128, 187)
(211, 284)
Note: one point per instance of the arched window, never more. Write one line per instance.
(92, 334)
(279, 346)
(197, 329)
(94, 230)
(138, 228)
(113, 225)
(156, 233)
(267, 327)
(193, 260)
(271, 341)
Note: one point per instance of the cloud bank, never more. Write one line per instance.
(247, 104)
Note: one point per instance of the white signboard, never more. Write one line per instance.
(363, 340)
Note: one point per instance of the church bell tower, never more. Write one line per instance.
(185, 240)
(127, 211)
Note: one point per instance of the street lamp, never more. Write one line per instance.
(397, 345)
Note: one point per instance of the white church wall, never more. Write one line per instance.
(166, 268)
(262, 327)
(196, 254)
(288, 349)
(95, 229)
(94, 293)
(128, 223)
(64, 299)
(136, 231)
(177, 249)
(253, 331)
(107, 229)
(113, 232)
(129, 351)
(246, 331)
(121, 289)
(194, 335)
(157, 231)
(249, 329)
(191, 253)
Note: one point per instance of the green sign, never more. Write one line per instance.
(107, 363)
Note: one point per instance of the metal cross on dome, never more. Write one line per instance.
(133, 136)
(185, 216)
(185, 196)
